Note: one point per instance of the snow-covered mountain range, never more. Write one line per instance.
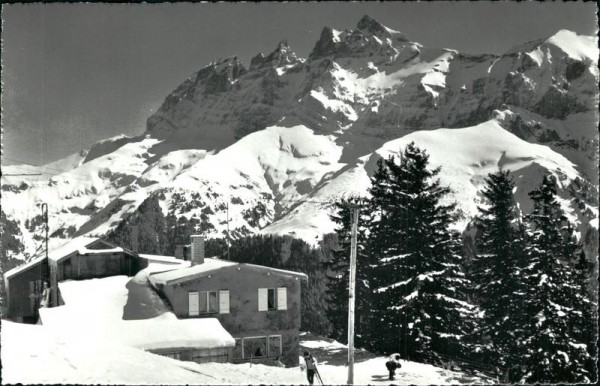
(278, 139)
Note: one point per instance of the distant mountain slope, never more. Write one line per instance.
(275, 141)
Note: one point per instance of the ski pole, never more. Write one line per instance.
(319, 376)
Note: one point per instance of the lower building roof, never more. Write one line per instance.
(94, 309)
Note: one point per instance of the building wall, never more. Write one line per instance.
(218, 354)
(80, 267)
(90, 266)
(244, 319)
(19, 291)
(290, 346)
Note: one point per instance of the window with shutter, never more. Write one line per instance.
(262, 299)
(194, 307)
(282, 298)
(224, 302)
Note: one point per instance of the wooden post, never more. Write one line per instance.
(351, 299)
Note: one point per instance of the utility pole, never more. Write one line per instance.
(351, 300)
(228, 230)
(45, 216)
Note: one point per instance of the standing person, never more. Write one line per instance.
(392, 364)
(311, 367)
(45, 298)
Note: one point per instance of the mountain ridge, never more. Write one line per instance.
(270, 138)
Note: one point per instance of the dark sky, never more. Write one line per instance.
(77, 73)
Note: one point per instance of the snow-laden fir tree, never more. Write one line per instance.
(419, 302)
(338, 273)
(556, 296)
(498, 264)
(585, 326)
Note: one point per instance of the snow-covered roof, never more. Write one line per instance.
(209, 266)
(55, 254)
(283, 272)
(71, 246)
(163, 259)
(79, 244)
(189, 273)
(94, 309)
(85, 251)
(10, 273)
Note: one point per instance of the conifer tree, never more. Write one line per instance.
(418, 300)
(497, 268)
(585, 326)
(556, 300)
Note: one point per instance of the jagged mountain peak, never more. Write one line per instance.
(282, 55)
(221, 65)
(371, 25)
(369, 35)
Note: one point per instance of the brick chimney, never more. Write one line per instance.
(197, 249)
(134, 238)
(179, 252)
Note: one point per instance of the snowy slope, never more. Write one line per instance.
(59, 359)
(279, 139)
(89, 340)
(466, 157)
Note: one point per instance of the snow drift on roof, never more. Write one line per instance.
(71, 246)
(85, 251)
(209, 265)
(163, 259)
(93, 310)
(212, 265)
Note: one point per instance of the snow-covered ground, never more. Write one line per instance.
(88, 341)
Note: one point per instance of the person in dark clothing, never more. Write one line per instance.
(392, 364)
(311, 367)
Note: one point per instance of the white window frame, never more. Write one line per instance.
(280, 301)
(255, 337)
(268, 345)
(207, 310)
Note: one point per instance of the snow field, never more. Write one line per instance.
(86, 341)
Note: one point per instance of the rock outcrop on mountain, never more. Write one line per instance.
(275, 141)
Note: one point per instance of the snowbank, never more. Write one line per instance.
(66, 358)
(94, 311)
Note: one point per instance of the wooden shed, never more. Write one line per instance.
(94, 259)
(81, 258)
(24, 286)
